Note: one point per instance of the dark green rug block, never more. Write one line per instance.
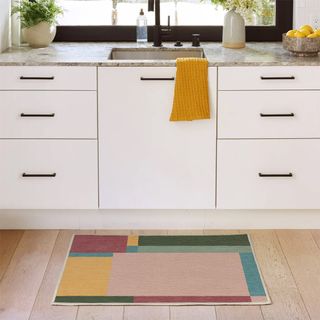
(219, 240)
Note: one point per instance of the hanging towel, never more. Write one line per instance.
(191, 96)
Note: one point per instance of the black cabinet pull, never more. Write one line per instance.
(265, 115)
(278, 78)
(37, 115)
(157, 79)
(272, 175)
(36, 78)
(39, 175)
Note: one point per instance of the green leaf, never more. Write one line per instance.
(33, 12)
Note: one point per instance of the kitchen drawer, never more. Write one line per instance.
(269, 78)
(47, 78)
(239, 185)
(48, 114)
(71, 166)
(274, 114)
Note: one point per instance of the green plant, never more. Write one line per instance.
(33, 12)
(245, 7)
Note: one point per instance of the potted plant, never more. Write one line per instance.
(234, 33)
(38, 21)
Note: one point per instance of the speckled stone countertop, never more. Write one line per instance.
(97, 54)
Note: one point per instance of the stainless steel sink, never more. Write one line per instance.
(155, 53)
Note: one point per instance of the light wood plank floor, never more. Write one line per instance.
(31, 261)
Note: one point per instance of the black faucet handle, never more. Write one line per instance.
(165, 31)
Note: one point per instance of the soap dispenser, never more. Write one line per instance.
(142, 28)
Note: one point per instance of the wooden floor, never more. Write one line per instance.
(31, 261)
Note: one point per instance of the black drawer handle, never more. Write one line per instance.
(36, 78)
(39, 175)
(37, 115)
(272, 175)
(157, 79)
(278, 78)
(266, 115)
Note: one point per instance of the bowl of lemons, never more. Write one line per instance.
(303, 42)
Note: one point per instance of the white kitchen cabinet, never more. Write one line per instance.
(48, 114)
(268, 174)
(269, 78)
(48, 78)
(268, 149)
(48, 138)
(268, 114)
(146, 161)
(48, 174)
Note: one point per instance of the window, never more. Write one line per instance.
(114, 20)
(125, 12)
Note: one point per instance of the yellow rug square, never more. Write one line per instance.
(85, 276)
(133, 240)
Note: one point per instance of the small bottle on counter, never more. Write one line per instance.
(142, 28)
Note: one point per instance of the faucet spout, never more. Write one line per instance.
(150, 5)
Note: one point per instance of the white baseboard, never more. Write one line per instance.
(160, 219)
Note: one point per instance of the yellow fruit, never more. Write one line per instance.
(299, 34)
(308, 27)
(313, 35)
(317, 32)
(291, 33)
(305, 31)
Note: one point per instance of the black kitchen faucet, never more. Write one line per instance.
(158, 31)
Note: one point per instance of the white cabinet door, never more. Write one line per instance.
(268, 114)
(48, 78)
(269, 78)
(48, 174)
(146, 161)
(48, 114)
(268, 174)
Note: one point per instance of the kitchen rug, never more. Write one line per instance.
(161, 270)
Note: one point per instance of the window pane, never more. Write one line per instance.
(125, 12)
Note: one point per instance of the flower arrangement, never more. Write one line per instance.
(33, 12)
(244, 7)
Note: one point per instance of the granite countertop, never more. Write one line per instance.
(97, 54)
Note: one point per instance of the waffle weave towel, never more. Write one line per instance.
(191, 96)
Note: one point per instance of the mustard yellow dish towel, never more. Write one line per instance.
(191, 96)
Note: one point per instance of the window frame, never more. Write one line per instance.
(284, 21)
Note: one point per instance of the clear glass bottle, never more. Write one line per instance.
(142, 28)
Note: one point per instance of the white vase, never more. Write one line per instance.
(234, 31)
(40, 35)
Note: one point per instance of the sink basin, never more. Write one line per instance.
(155, 53)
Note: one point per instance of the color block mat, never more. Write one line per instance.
(153, 270)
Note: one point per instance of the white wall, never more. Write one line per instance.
(306, 12)
(4, 24)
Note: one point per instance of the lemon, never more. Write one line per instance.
(305, 31)
(308, 27)
(299, 34)
(313, 35)
(291, 33)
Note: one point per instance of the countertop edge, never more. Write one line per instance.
(96, 55)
